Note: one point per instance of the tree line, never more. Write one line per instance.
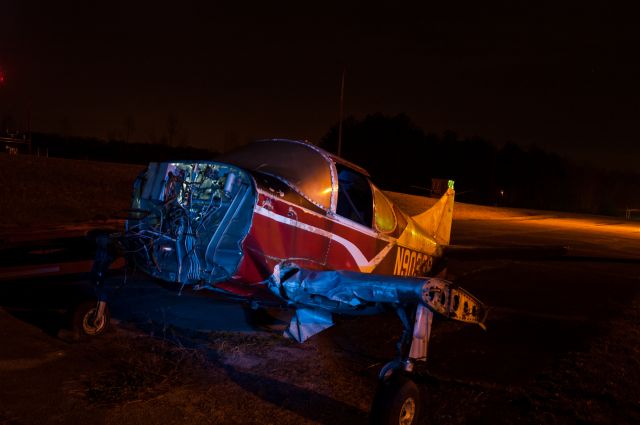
(402, 157)
(112, 150)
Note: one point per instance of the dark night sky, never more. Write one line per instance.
(564, 75)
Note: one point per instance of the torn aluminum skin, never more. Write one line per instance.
(318, 294)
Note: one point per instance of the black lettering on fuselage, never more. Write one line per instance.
(412, 263)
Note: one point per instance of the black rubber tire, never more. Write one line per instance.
(397, 402)
(82, 324)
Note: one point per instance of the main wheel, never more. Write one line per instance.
(86, 322)
(397, 401)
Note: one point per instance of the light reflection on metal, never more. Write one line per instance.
(385, 217)
(302, 165)
(438, 218)
(307, 322)
(421, 333)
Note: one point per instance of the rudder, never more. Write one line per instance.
(437, 219)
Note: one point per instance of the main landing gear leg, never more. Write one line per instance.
(397, 399)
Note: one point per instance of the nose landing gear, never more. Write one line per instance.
(90, 318)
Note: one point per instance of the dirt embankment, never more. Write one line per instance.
(42, 191)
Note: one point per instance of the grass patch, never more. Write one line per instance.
(148, 369)
(43, 191)
(227, 343)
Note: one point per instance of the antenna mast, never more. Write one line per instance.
(341, 112)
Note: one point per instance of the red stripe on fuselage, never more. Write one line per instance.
(270, 241)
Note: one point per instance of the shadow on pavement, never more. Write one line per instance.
(311, 405)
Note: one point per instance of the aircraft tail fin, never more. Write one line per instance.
(437, 219)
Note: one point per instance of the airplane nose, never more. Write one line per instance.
(195, 216)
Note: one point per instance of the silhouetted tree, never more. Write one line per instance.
(113, 150)
(400, 156)
(386, 146)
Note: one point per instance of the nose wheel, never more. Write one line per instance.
(90, 318)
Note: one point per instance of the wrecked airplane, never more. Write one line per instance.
(285, 221)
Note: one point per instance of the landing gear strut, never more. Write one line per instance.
(398, 399)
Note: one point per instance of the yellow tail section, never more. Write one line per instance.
(437, 219)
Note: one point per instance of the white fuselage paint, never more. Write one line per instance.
(408, 262)
(363, 263)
